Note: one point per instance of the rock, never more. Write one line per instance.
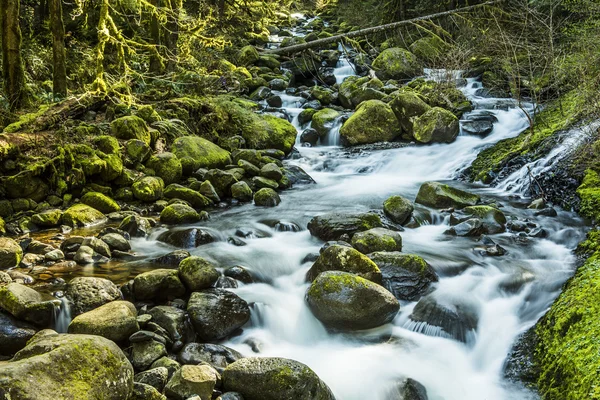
(355, 90)
(100, 202)
(155, 377)
(494, 220)
(219, 357)
(98, 245)
(271, 171)
(260, 182)
(88, 293)
(470, 227)
(345, 259)
(54, 256)
(346, 301)
(324, 120)
(221, 181)
(240, 273)
(137, 151)
(479, 127)
(436, 126)
(186, 238)
(194, 198)
(14, 335)
(166, 166)
(310, 136)
(11, 253)
(27, 304)
(457, 318)
(82, 215)
(231, 396)
(377, 239)
(246, 56)
(396, 63)
(439, 195)
(116, 242)
(158, 283)
(48, 218)
(408, 106)
(176, 214)
(68, 367)
(406, 276)
(241, 191)
(168, 363)
(172, 259)
(429, 48)
(408, 389)
(171, 319)
(398, 209)
(130, 127)
(115, 321)
(297, 176)
(142, 391)
(267, 378)
(143, 354)
(148, 189)
(197, 273)
(217, 313)
(332, 226)
(324, 95)
(207, 190)
(192, 380)
(135, 225)
(373, 122)
(25, 185)
(266, 197)
(196, 152)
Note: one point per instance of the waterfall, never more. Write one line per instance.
(62, 315)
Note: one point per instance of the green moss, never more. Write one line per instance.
(354, 90)
(130, 127)
(100, 202)
(107, 144)
(336, 284)
(396, 63)
(247, 55)
(589, 192)
(374, 121)
(148, 189)
(167, 166)
(179, 214)
(196, 152)
(81, 215)
(195, 199)
(26, 120)
(322, 121)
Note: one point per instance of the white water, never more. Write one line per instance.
(358, 366)
(62, 315)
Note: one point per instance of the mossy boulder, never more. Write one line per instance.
(442, 94)
(47, 219)
(241, 191)
(82, 215)
(11, 253)
(87, 293)
(345, 259)
(100, 202)
(107, 144)
(25, 185)
(113, 167)
(196, 199)
(355, 90)
(158, 284)
(166, 166)
(333, 226)
(264, 378)
(398, 209)
(344, 301)
(148, 189)
(439, 195)
(373, 122)
(436, 126)
(68, 367)
(137, 151)
(196, 152)
(148, 114)
(193, 381)
(406, 276)
(266, 197)
(396, 63)
(324, 95)
(377, 239)
(197, 273)
(323, 120)
(221, 181)
(247, 55)
(429, 49)
(131, 127)
(115, 321)
(408, 106)
(27, 304)
(179, 214)
(494, 220)
(292, 41)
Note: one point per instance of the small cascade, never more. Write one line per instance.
(333, 136)
(344, 68)
(62, 314)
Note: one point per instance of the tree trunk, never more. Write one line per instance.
(103, 37)
(13, 72)
(40, 12)
(156, 64)
(58, 49)
(172, 33)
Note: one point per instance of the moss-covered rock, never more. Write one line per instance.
(494, 220)
(266, 197)
(107, 144)
(48, 218)
(348, 302)
(323, 120)
(292, 41)
(274, 379)
(115, 321)
(196, 200)
(113, 167)
(373, 122)
(442, 94)
(87, 293)
(148, 189)
(333, 226)
(221, 181)
(158, 284)
(137, 151)
(377, 239)
(148, 114)
(436, 126)
(408, 106)
(241, 191)
(196, 152)
(247, 55)
(166, 166)
(589, 192)
(25, 185)
(68, 367)
(179, 214)
(27, 304)
(396, 63)
(324, 95)
(398, 209)
(11, 253)
(82, 215)
(355, 90)
(100, 202)
(429, 49)
(193, 381)
(217, 313)
(439, 195)
(345, 259)
(130, 127)
(197, 273)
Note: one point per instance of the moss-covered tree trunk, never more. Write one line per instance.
(13, 72)
(103, 37)
(58, 48)
(172, 33)
(156, 64)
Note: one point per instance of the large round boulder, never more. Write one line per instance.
(439, 195)
(346, 259)
(332, 226)
(131, 127)
(354, 90)
(179, 214)
(436, 126)
(217, 313)
(11, 253)
(323, 121)
(87, 293)
(408, 106)
(166, 166)
(373, 122)
(192, 381)
(158, 284)
(377, 239)
(346, 301)
(100, 202)
(398, 209)
(274, 379)
(266, 197)
(148, 189)
(28, 304)
(115, 321)
(396, 63)
(196, 152)
(196, 199)
(197, 273)
(80, 215)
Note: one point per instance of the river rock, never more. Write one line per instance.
(493, 220)
(87, 293)
(219, 357)
(398, 209)
(346, 301)
(116, 241)
(408, 106)
(408, 389)
(155, 377)
(240, 273)
(195, 199)
(345, 259)
(274, 379)
(436, 126)
(47, 218)
(136, 226)
(179, 214)
(171, 319)
(373, 122)
(98, 245)
(333, 226)
(141, 391)
(190, 380)
(87, 255)
(377, 239)
(143, 354)
(354, 90)
(148, 189)
(82, 215)
(439, 195)
(231, 396)
(115, 321)
(27, 304)
(406, 276)
(217, 313)
(323, 121)
(158, 284)
(11, 253)
(470, 227)
(186, 238)
(100, 202)
(197, 273)
(172, 259)
(68, 367)
(297, 176)
(266, 197)
(196, 152)
(14, 334)
(241, 191)
(396, 63)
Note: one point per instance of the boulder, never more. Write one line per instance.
(158, 284)
(373, 122)
(156, 377)
(11, 253)
(439, 195)
(442, 94)
(261, 182)
(241, 191)
(25, 185)
(88, 293)
(396, 63)
(14, 335)
(271, 171)
(131, 127)
(266, 197)
(196, 152)
(115, 321)
(137, 151)
(197, 273)
(219, 357)
(80, 215)
(135, 225)
(221, 181)
(398, 209)
(148, 189)
(68, 367)
(430, 48)
(47, 218)
(179, 214)
(217, 313)
(408, 389)
(355, 90)
(144, 353)
(171, 319)
(345, 259)
(116, 241)
(406, 276)
(194, 198)
(268, 378)
(323, 121)
(344, 301)
(27, 304)
(332, 226)
(377, 239)
(193, 380)
(246, 56)
(141, 391)
(494, 220)
(186, 238)
(208, 190)
(408, 106)
(166, 166)
(436, 126)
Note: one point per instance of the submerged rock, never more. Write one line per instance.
(14, 334)
(186, 238)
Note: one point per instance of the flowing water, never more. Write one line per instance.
(362, 365)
